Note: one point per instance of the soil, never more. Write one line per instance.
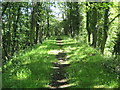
(59, 79)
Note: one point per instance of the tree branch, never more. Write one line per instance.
(113, 19)
(4, 9)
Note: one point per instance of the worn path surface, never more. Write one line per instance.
(59, 79)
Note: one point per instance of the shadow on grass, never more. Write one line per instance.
(31, 69)
(91, 75)
(86, 70)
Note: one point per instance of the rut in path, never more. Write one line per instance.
(58, 78)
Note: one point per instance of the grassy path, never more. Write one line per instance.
(58, 78)
(34, 68)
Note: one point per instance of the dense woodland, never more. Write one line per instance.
(27, 24)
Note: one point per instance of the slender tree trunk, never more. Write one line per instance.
(27, 31)
(9, 36)
(33, 25)
(4, 8)
(0, 46)
(106, 20)
(14, 47)
(48, 26)
(71, 28)
(119, 35)
(94, 27)
(48, 22)
(40, 34)
(87, 26)
(77, 19)
(4, 54)
(37, 32)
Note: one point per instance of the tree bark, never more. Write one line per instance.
(14, 47)
(94, 23)
(48, 22)
(4, 8)
(87, 26)
(104, 39)
(33, 25)
(37, 29)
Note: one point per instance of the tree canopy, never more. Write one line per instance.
(27, 24)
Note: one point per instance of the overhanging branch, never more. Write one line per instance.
(113, 19)
(4, 9)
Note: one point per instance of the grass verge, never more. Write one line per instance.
(31, 68)
(86, 69)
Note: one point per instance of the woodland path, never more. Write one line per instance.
(57, 64)
(59, 79)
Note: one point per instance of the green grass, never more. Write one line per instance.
(86, 69)
(31, 68)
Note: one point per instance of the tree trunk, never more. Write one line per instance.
(94, 23)
(87, 26)
(33, 25)
(104, 39)
(27, 31)
(4, 8)
(71, 28)
(48, 23)
(37, 32)
(14, 47)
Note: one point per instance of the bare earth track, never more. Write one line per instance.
(59, 79)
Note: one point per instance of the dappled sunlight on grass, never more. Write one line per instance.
(42, 47)
(32, 69)
(86, 70)
(55, 52)
(22, 73)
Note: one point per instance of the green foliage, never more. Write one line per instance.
(87, 69)
(117, 45)
(22, 73)
(31, 68)
(28, 65)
